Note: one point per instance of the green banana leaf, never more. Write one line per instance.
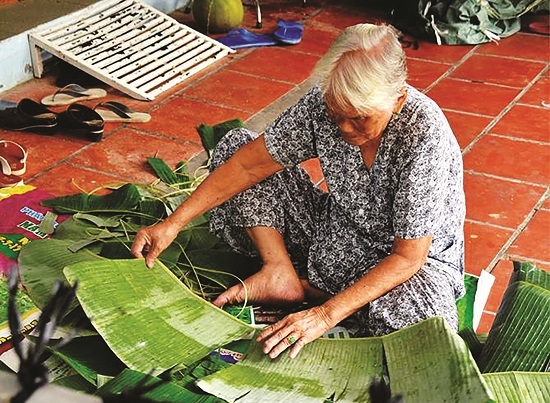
(126, 197)
(465, 305)
(23, 303)
(89, 356)
(176, 178)
(149, 319)
(75, 382)
(519, 387)
(426, 362)
(519, 339)
(211, 135)
(129, 381)
(41, 264)
(525, 271)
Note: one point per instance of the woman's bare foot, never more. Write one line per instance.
(313, 294)
(272, 285)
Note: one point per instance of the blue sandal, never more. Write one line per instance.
(289, 32)
(242, 38)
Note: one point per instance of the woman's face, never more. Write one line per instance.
(359, 129)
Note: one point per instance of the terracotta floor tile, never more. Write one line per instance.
(316, 39)
(343, 14)
(66, 179)
(466, 127)
(432, 51)
(534, 241)
(179, 118)
(510, 158)
(539, 93)
(466, 96)
(277, 63)
(423, 73)
(237, 90)
(521, 45)
(527, 122)
(482, 244)
(502, 272)
(544, 266)
(505, 203)
(498, 70)
(35, 89)
(485, 323)
(546, 204)
(125, 154)
(313, 168)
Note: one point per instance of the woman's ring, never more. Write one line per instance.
(291, 339)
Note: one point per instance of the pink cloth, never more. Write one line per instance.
(20, 217)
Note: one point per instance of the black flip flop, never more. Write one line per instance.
(82, 120)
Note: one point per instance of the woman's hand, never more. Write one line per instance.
(151, 241)
(295, 330)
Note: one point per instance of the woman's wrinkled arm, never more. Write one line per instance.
(296, 330)
(249, 165)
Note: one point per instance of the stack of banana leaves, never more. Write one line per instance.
(138, 334)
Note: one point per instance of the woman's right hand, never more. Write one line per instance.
(151, 241)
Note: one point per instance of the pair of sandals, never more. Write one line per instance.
(109, 111)
(13, 163)
(287, 32)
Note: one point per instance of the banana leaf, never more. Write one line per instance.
(135, 384)
(89, 356)
(465, 305)
(519, 387)
(78, 227)
(211, 135)
(167, 175)
(75, 382)
(200, 237)
(519, 339)
(41, 264)
(426, 362)
(23, 303)
(124, 198)
(475, 345)
(222, 267)
(524, 271)
(149, 319)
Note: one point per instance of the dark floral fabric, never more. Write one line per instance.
(414, 188)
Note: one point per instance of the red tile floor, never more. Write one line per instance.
(495, 95)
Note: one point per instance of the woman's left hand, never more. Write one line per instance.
(295, 330)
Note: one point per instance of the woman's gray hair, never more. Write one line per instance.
(364, 69)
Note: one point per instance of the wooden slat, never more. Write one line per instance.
(129, 45)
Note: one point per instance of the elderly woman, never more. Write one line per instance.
(385, 244)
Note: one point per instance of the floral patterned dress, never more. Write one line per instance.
(413, 189)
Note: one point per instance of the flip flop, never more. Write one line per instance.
(112, 111)
(289, 32)
(242, 38)
(72, 93)
(9, 181)
(13, 158)
(81, 120)
(7, 104)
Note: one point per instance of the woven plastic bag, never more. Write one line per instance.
(462, 22)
